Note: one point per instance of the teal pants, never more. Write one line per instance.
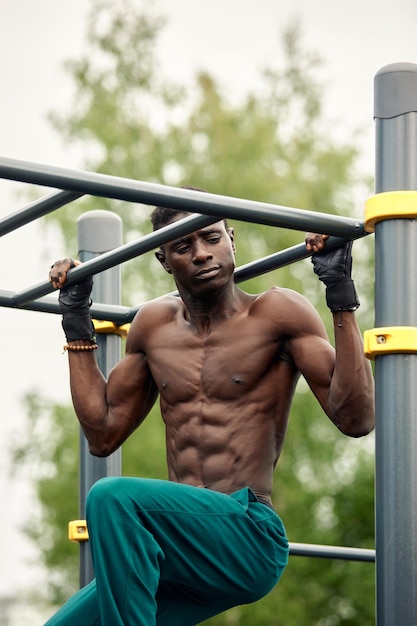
(167, 554)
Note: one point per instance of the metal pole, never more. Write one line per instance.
(396, 374)
(98, 232)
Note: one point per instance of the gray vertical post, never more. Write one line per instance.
(98, 232)
(396, 374)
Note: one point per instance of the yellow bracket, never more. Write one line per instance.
(390, 340)
(77, 530)
(389, 205)
(110, 328)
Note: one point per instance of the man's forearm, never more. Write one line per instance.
(352, 387)
(88, 391)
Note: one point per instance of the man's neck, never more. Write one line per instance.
(202, 312)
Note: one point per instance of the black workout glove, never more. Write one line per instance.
(74, 304)
(334, 267)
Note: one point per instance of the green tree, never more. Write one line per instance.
(275, 146)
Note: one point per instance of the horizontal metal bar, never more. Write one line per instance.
(184, 199)
(332, 552)
(112, 312)
(36, 209)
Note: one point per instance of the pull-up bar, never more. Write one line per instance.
(184, 199)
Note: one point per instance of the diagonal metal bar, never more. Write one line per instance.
(36, 209)
(119, 255)
(281, 259)
(184, 199)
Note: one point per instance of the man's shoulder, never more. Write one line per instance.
(282, 305)
(164, 307)
(150, 317)
(282, 296)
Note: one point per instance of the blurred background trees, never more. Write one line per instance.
(273, 145)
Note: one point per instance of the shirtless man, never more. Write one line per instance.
(225, 365)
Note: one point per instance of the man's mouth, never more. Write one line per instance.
(207, 273)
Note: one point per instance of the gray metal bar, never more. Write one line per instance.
(36, 209)
(98, 232)
(332, 552)
(184, 199)
(396, 374)
(117, 314)
(123, 253)
(281, 259)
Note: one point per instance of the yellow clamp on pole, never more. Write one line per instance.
(77, 530)
(389, 205)
(110, 328)
(390, 340)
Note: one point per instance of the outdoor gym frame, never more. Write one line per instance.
(390, 214)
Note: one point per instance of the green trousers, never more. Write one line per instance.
(167, 554)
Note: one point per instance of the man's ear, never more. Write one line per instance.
(160, 255)
(231, 233)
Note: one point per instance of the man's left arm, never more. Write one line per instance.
(351, 393)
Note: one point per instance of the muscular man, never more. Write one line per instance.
(225, 365)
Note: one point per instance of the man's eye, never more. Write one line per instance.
(213, 239)
(181, 249)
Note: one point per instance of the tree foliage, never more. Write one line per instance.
(273, 145)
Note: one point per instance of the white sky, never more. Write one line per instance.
(233, 39)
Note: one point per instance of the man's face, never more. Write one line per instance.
(202, 261)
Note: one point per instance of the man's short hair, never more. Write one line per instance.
(161, 215)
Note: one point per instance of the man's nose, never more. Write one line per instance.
(201, 253)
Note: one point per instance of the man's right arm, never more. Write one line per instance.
(108, 411)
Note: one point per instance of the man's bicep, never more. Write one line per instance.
(131, 389)
(314, 358)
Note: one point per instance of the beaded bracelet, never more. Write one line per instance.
(71, 348)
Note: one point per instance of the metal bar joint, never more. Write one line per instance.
(77, 530)
(390, 340)
(110, 328)
(389, 205)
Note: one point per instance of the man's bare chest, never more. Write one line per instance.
(225, 362)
